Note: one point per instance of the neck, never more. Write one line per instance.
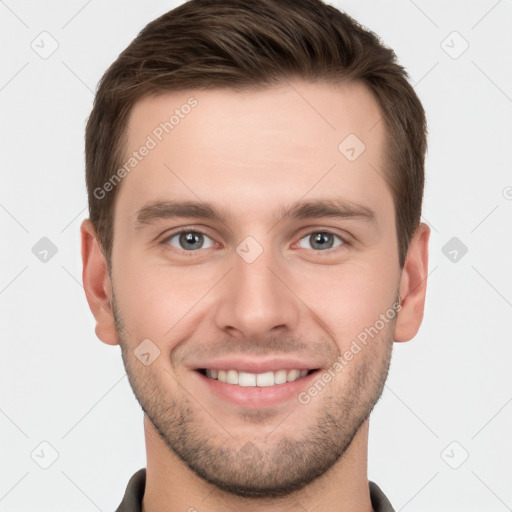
(171, 485)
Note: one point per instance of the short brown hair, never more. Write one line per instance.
(249, 44)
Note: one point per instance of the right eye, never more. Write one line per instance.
(189, 240)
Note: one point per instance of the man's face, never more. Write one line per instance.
(257, 291)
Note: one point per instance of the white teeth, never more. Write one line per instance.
(293, 375)
(280, 376)
(246, 379)
(232, 377)
(265, 379)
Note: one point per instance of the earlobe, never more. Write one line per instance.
(413, 286)
(97, 285)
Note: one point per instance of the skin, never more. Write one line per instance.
(252, 153)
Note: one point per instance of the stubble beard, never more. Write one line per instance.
(264, 468)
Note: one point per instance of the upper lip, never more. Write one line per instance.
(245, 364)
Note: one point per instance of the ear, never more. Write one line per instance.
(413, 285)
(97, 285)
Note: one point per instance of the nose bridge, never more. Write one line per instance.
(255, 298)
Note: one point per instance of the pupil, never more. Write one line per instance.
(321, 240)
(191, 240)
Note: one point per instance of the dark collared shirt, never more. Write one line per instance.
(132, 501)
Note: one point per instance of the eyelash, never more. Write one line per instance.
(343, 240)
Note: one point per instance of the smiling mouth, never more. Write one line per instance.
(246, 379)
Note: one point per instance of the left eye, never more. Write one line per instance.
(190, 240)
(321, 240)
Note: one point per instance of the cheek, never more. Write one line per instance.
(158, 301)
(350, 297)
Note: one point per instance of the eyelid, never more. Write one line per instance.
(167, 235)
(325, 252)
(343, 236)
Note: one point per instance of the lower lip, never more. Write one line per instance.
(255, 396)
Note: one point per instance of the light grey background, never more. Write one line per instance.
(449, 392)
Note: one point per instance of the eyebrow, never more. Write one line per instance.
(316, 208)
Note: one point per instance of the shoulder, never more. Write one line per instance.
(380, 502)
(132, 500)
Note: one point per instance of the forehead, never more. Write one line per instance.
(253, 148)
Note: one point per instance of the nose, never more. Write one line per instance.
(256, 298)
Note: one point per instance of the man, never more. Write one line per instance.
(255, 174)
